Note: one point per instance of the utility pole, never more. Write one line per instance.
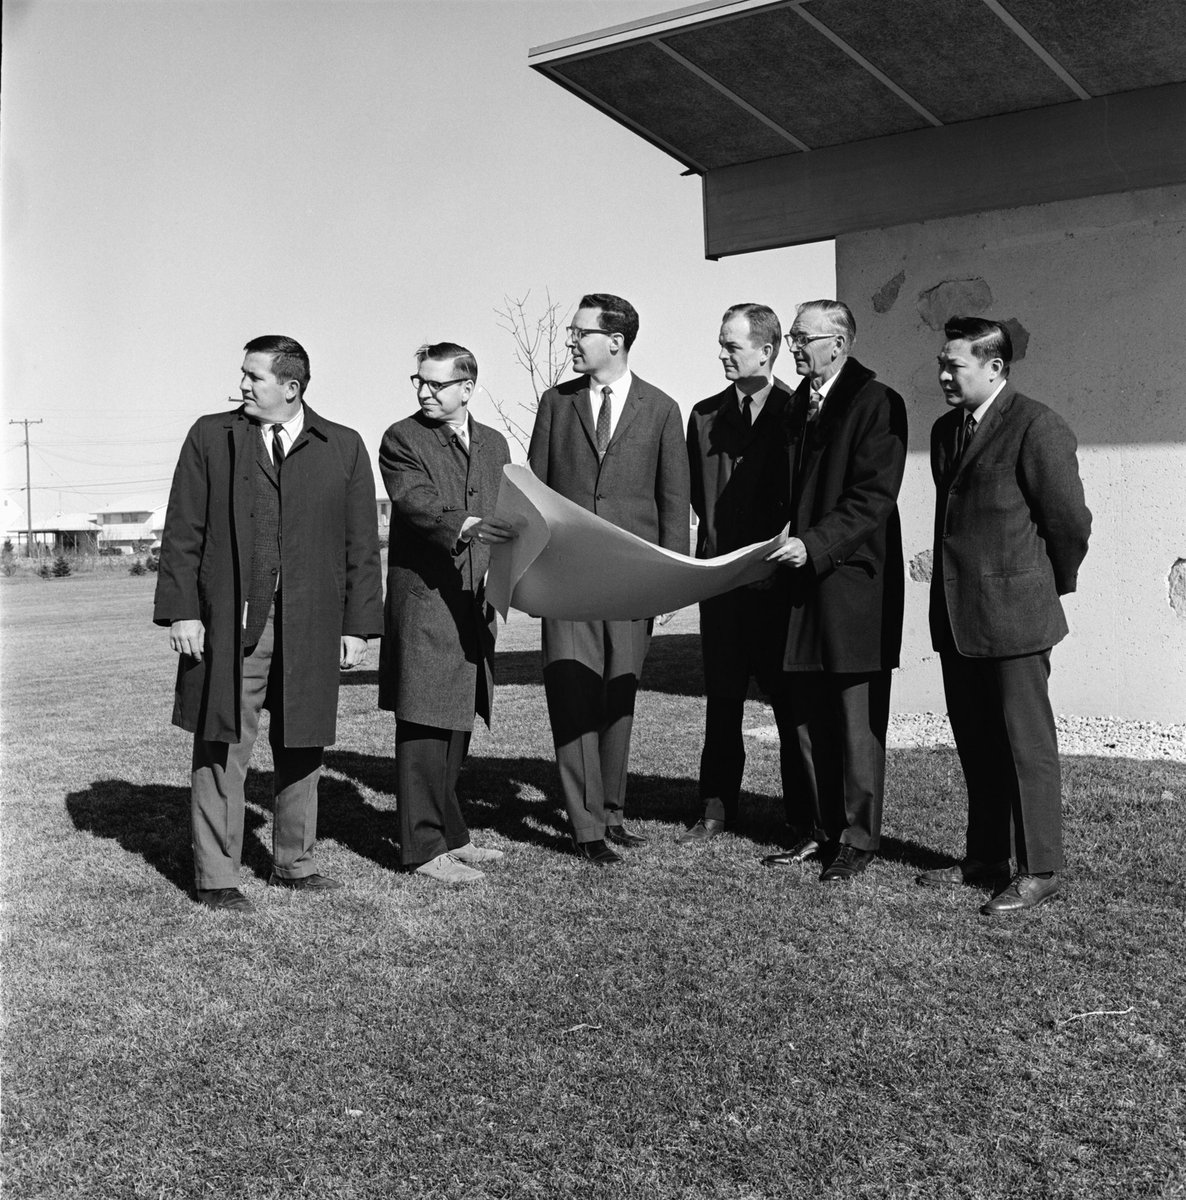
(28, 487)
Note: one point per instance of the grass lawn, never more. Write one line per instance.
(691, 1025)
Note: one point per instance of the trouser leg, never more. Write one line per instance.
(722, 760)
(217, 777)
(974, 710)
(812, 756)
(428, 764)
(1028, 719)
(862, 704)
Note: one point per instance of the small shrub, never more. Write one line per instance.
(137, 568)
(44, 570)
(61, 567)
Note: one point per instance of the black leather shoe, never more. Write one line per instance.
(848, 864)
(306, 883)
(802, 850)
(598, 853)
(704, 829)
(224, 899)
(969, 871)
(621, 836)
(1024, 891)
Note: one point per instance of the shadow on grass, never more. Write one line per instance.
(152, 820)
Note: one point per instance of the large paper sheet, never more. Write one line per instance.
(569, 563)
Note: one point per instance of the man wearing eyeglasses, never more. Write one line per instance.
(739, 494)
(269, 582)
(442, 470)
(614, 444)
(844, 590)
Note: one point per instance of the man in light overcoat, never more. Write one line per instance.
(270, 584)
(442, 470)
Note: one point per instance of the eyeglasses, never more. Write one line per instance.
(796, 341)
(435, 385)
(576, 333)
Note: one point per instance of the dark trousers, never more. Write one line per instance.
(427, 766)
(722, 760)
(840, 725)
(219, 772)
(591, 671)
(1000, 714)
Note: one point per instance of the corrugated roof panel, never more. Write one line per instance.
(960, 62)
(786, 68)
(649, 87)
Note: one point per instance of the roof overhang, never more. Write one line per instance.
(812, 118)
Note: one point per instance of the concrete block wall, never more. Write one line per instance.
(1095, 291)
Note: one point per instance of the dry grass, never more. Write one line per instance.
(688, 1026)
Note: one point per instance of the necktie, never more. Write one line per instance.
(462, 432)
(967, 430)
(747, 415)
(814, 403)
(277, 447)
(603, 423)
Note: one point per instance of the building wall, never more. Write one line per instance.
(1095, 290)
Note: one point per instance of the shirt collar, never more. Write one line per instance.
(757, 399)
(978, 415)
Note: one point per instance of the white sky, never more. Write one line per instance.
(364, 175)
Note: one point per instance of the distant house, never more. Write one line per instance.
(130, 526)
(383, 508)
(67, 533)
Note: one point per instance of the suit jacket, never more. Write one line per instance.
(330, 575)
(1011, 528)
(740, 488)
(642, 483)
(845, 605)
(741, 495)
(436, 664)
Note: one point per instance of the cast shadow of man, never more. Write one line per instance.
(153, 821)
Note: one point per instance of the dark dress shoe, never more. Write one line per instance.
(702, 831)
(598, 853)
(848, 864)
(621, 836)
(969, 871)
(306, 883)
(1024, 891)
(802, 850)
(224, 899)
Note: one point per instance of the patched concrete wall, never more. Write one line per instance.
(1094, 292)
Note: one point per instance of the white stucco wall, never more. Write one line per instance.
(1100, 286)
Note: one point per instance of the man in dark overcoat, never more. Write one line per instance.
(442, 470)
(270, 584)
(740, 496)
(614, 444)
(844, 588)
(1011, 530)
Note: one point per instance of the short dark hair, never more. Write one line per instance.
(463, 359)
(987, 338)
(289, 360)
(617, 315)
(764, 325)
(838, 314)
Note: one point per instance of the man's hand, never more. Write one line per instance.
(792, 554)
(354, 650)
(188, 637)
(492, 529)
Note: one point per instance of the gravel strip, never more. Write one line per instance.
(1107, 737)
